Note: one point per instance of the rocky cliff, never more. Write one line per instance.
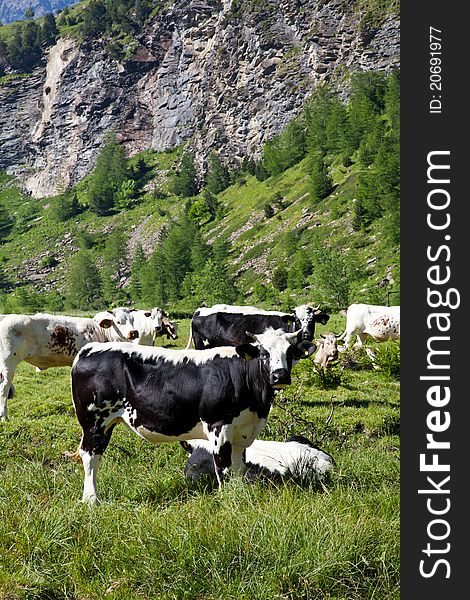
(217, 74)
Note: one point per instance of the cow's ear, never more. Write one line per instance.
(104, 319)
(187, 446)
(105, 323)
(287, 319)
(304, 349)
(247, 351)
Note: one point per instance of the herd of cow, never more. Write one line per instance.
(214, 398)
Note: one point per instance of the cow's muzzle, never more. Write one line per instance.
(133, 334)
(280, 378)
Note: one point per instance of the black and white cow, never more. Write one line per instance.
(226, 325)
(222, 394)
(296, 458)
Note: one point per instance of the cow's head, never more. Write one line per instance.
(120, 320)
(277, 351)
(328, 350)
(306, 316)
(148, 320)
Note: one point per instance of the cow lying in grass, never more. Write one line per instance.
(296, 458)
(223, 395)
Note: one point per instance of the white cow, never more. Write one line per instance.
(380, 322)
(296, 458)
(46, 341)
(147, 322)
(150, 323)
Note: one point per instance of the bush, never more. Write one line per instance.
(387, 359)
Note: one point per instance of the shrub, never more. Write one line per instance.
(387, 359)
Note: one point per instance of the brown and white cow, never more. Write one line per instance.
(380, 322)
(327, 350)
(45, 341)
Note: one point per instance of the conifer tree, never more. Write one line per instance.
(49, 31)
(320, 179)
(218, 176)
(185, 183)
(137, 268)
(114, 268)
(65, 206)
(108, 176)
(83, 286)
(153, 279)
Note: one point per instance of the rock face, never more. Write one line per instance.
(13, 10)
(216, 74)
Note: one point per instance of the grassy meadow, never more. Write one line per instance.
(156, 536)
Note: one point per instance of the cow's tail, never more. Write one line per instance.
(190, 341)
(75, 456)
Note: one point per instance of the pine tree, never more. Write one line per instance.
(177, 254)
(65, 206)
(365, 104)
(185, 183)
(83, 286)
(320, 179)
(137, 268)
(49, 31)
(279, 278)
(110, 171)
(153, 279)
(95, 19)
(114, 268)
(218, 176)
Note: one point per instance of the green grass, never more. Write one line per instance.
(157, 536)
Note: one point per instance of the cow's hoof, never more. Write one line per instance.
(90, 500)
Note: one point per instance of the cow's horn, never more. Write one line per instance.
(251, 335)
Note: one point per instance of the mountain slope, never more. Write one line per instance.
(225, 75)
(36, 261)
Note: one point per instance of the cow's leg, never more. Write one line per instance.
(220, 436)
(361, 338)
(94, 442)
(238, 460)
(7, 389)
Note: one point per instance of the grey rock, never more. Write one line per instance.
(200, 75)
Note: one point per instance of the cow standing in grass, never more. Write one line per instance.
(150, 323)
(46, 341)
(226, 325)
(382, 323)
(222, 394)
